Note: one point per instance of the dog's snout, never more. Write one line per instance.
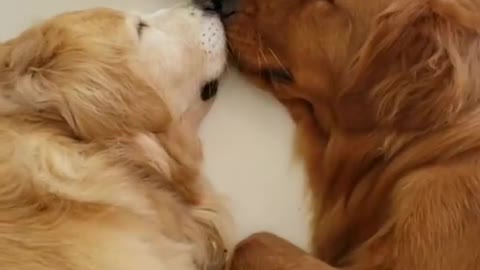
(224, 8)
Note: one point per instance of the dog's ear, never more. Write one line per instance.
(419, 66)
(83, 80)
(7, 105)
(3, 64)
(32, 52)
(25, 62)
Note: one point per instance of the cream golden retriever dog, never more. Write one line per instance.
(100, 165)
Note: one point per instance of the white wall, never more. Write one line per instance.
(247, 136)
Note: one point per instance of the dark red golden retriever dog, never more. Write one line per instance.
(386, 96)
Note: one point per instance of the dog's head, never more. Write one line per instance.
(286, 44)
(104, 71)
(408, 64)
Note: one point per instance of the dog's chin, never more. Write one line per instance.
(209, 90)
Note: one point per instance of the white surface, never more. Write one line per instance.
(247, 137)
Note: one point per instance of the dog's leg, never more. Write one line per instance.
(216, 227)
(266, 251)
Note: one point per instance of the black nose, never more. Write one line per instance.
(228, 7)
(224, 8)
(213, 6)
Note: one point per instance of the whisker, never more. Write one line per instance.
(264, 58)
(259, 60)
(230, 54)
(277, 59)
(261, 52)
(227, 67)
(229, 48)
(260, 41)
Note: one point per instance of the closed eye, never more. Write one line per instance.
(141, 25)
(279, 75)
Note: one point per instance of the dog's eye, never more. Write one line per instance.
(141, 25)
(277, 75)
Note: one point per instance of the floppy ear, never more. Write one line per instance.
(85, 82)
(23, 62)
(3, 65)
(417, 69)
(7, 106)
(32, 52)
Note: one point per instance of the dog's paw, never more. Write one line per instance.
(265, 251)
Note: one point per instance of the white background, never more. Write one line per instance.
(248, 137)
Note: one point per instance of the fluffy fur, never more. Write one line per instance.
(100, 164)
(385, 94)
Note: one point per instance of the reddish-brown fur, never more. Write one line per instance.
(385, 94)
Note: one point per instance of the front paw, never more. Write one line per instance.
(265, 251)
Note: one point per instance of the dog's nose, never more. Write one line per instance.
(228, 7)
(213, 6)
(224, 8)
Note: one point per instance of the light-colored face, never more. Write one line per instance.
(186, 45)
(104, 71)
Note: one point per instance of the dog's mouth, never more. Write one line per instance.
(209, 90)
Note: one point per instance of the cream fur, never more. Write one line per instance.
(100, 164)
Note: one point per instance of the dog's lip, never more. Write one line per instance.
(209, 90)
